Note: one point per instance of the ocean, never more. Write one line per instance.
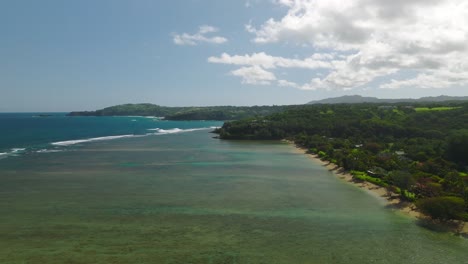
(142, 190)
(22, 133)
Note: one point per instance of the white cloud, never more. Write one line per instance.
(368, 39)
(428, 81)
(199, 37)
(257, 64)
(254, 75)
(251, 3)
(269, 62)
(285, 83)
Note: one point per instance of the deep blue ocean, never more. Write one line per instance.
(22, 133)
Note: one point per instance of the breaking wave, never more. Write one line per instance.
(78, 141)
(160, 131)
(157, 131)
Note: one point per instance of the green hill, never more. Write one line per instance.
(185, 113)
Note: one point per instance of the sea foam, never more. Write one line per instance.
(15, 150)
(78, 141)
(48, 150)
(160, 131)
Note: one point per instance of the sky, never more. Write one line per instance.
(64, 55)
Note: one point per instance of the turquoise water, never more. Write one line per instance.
(190, 198)
(22, 133)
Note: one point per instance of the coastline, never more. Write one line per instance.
(392, 201)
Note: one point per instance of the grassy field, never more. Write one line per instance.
(441, 108)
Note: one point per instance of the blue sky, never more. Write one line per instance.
(85, 55)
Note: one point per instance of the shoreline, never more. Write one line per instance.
(392, 200)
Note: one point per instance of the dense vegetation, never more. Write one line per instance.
(130, 110)
(185, 113)
(420, 154)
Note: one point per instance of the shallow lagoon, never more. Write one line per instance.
(189, 198)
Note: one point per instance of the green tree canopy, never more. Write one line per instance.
(443, 207)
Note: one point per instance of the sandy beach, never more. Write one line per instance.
(392, 200)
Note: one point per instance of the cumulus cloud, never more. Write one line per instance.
(254, 75)
(368, 39)
(285, 83)
(428, 81)
(199, 37)
(269, 62)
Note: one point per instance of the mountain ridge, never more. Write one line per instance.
(356, 99)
